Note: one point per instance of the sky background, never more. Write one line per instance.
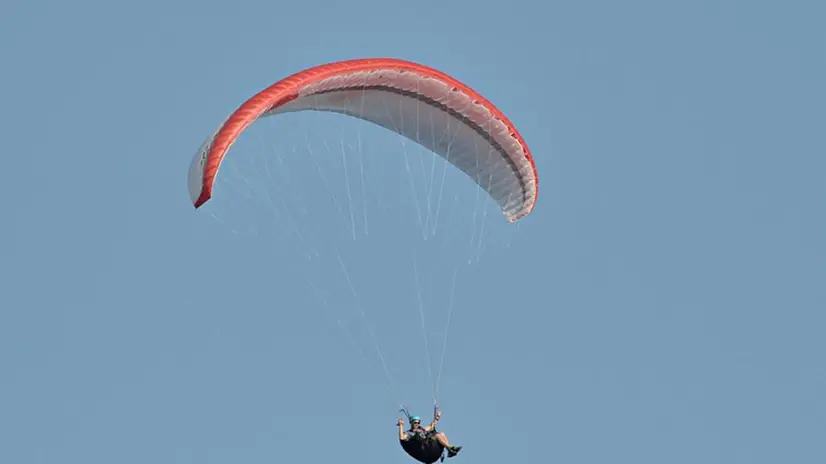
(664, 303)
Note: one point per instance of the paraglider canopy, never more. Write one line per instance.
(482, 143)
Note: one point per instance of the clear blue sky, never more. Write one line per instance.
(664, 303)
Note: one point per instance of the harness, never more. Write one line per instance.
(421, 445)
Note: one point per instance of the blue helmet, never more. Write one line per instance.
(415, 418)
